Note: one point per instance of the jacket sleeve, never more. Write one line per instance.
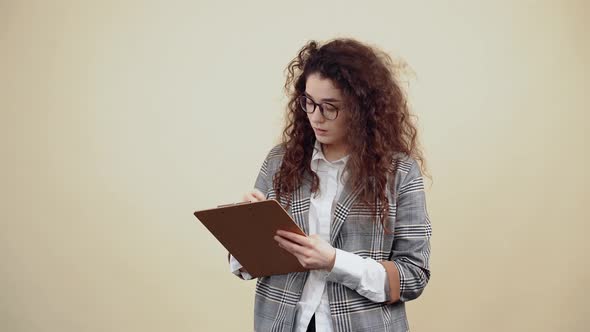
(411, 245)
(263, 180)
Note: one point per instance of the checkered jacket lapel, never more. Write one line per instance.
(299, 208)
(343, 206)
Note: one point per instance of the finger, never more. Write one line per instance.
(252, 197)
(249, 197)
(291, 247)
(294, 237)
(259, 195)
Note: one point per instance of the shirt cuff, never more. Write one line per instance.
(348, 269)
(235, 266)
(364, 275)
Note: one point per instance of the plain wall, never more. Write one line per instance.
(119, 119)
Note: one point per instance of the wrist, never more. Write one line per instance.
(332, 260)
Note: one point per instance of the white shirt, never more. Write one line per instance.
(365, 275)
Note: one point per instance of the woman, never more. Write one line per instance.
(349, 173)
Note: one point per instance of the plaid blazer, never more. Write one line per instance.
(353, 230)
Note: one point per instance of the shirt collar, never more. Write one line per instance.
(318, 154)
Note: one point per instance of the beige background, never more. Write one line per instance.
(120, 119)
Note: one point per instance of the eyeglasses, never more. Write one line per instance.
(329, 111)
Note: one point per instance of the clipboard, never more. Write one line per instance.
(247, 229)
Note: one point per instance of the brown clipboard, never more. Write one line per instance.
(247, 231)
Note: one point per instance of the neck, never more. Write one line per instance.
(334, 152)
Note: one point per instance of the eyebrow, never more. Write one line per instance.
(323, 100)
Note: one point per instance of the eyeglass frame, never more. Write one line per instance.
(316, 105)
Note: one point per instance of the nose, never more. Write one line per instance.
(317, 116)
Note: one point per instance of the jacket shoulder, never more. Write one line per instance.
(273, 159)
(277, 152)
(402, 163)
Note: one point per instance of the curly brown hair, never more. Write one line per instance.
(380, 120)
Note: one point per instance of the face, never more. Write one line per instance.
(322, 91)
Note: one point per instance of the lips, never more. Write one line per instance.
(320, 132)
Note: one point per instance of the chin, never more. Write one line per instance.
(323, 140)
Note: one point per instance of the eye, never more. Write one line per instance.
(330, 107)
